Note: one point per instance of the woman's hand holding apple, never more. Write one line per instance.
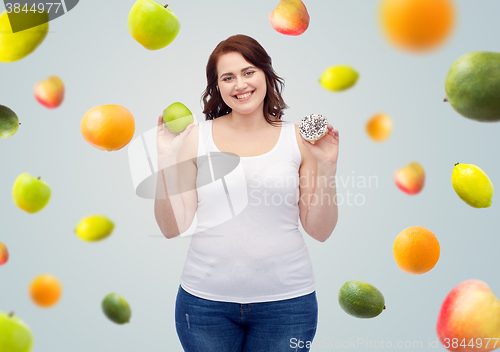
(168, 143)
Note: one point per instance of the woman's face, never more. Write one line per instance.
(241, 84)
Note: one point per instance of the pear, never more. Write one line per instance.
(290, 17)
(469, 318)
(15, 46)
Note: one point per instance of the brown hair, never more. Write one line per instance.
(255, 54)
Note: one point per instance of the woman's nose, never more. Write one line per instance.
(240, 83)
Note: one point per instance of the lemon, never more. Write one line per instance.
(94, 228)
(338, 78)
(472, 185)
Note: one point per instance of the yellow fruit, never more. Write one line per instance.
(108, 127)
(45, 290)
(379, 127)
(94, 228)
(417, 25)
(15, 46)
(416, 250)
(472, 185)
(338, 78)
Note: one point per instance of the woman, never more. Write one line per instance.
(247, 283)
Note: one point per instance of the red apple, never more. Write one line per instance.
(411, 178)
(290, 17)
(469, 319)
(50, 92)
(4, 254)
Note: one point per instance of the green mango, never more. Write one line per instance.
(9, 122)
(473, 86)
(15, 46)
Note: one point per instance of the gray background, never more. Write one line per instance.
(91, 50)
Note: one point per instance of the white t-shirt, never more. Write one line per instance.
(247, 247)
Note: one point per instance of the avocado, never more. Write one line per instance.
(473, 86)
(360, 299)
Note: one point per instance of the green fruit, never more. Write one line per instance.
(338, 78)
(472, 185)
(473, 86)
(177, 117)
(360, 299)
(15, 335)
(153, 25)
(116, 308)
(94, 228)
(15, 46)
(30, 194)
(9, 122)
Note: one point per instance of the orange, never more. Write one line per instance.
(45, 290)
(417, 25)
(416, 250)
(108, 127)
(379, 127)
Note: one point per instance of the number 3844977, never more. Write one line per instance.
(39, 7)
(474, 343)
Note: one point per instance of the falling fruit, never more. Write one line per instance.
(9, 122)
(15, 46)
(416, 250)
(108, 127)
(410, 178)
(4, 254)
(472, 185)
(116, 308)
(379, 127)
(152, 24)
(49, 92)
(45, 290)
(360, 299)
(15, 335)
(289, 17)
(94, 228)
(30, 194)
(469, 313)
(472, 86)
(417, 25)
(339, 78)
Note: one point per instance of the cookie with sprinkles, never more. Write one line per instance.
(313, 127)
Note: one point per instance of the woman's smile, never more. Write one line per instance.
(243, 96)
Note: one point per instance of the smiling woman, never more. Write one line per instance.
(247, 282)
(239, 58)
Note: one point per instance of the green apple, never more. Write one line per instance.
(153, 25)
(15, 335)
(9, 122)
(177, 117)
(30, 194)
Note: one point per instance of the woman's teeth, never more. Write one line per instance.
(243, 96)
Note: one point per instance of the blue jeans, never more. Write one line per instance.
(212, 326)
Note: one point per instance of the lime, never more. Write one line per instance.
(94, 228)
(116, 308)
(360, 299)
(338, 78)
(472, 185)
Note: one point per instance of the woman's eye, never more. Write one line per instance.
(249, 73)
(227, 79)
